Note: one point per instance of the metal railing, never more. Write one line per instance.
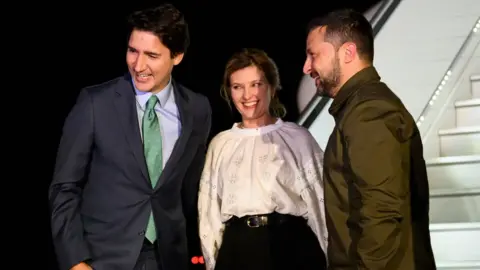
(453, 72)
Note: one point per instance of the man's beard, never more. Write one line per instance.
(330, 81)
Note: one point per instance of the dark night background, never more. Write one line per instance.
(92, 50)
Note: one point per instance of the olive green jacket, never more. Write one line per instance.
(376, 186)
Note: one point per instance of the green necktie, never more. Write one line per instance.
(152, 143)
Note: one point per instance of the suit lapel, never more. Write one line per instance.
(186, 119)
(125, 105)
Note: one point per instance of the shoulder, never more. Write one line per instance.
(220, 138)
(297, 132)
(375, 100)
(217, 143)
(299, 137)
(379, 109)
(88, 95)
(298, 146)
(198, 103)
(106, 87)
(377, 97)
(193, 97)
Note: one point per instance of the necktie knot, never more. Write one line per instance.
(152, 101)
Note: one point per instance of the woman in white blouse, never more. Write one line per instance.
(261, 193)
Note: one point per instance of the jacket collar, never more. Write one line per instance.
(351, 86)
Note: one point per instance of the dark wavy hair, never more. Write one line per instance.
(167, 23)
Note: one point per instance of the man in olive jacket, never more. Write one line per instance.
(376, 185)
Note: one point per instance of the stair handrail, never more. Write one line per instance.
(474, 30)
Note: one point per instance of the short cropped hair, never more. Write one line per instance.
(347, 25)
(166, 22)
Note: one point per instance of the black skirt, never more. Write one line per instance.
(286, 245)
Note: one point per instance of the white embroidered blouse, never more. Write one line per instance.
(258, 171)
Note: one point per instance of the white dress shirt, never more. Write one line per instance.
(275, 168)
(168, 116)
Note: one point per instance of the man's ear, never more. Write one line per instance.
(350, 50)
(178, 58)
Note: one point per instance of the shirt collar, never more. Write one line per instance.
(163, 96)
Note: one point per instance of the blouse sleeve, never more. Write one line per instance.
(210, 224)
(312, 193)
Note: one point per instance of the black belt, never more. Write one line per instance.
(256, 221)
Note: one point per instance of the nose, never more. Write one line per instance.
(247, 93)
(307, 67)
(139, 64)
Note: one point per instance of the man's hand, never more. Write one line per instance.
(81, 266)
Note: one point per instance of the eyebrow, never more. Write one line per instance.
(254, 81)
(145, 52)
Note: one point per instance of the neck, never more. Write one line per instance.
(261, 121)
(347, 74)
(161, 86)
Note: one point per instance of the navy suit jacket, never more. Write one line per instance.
(101, 196)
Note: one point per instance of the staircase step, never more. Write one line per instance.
(455, 243)
(460, 141)
(468, 112)
(470, 265)
(454, 173)
(475, 81)
(454, 206)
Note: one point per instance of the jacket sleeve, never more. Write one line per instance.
(377, 135)
(65, 192)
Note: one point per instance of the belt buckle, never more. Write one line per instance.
(255, 222)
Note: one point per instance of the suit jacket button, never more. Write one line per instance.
(141, 233)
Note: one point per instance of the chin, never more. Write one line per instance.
(143, 87)
(251, 116)
(247, 116)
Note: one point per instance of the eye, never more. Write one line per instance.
(153, 56)
(313, 55)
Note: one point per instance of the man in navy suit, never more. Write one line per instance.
(130, 159)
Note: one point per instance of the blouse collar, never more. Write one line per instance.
(259, 130)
